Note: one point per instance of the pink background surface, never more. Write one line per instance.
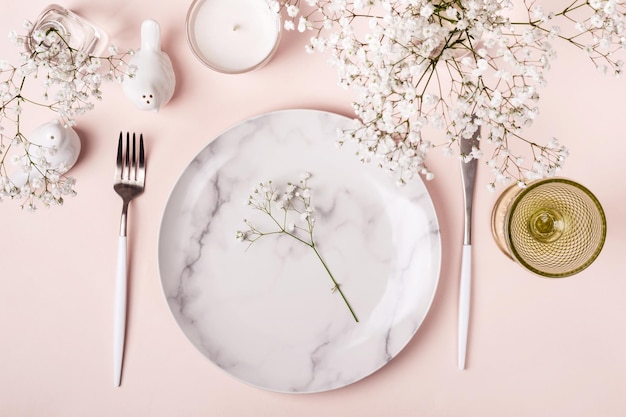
(537, 347)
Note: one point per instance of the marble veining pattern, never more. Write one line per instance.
(266, 315)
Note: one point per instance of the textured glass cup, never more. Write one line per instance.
(554, 227)
(76, 31)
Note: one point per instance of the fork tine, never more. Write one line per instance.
(118, 164)
(132, 176)
(126, 173)
(141, 168)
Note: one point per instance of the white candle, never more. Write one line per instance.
(233, 36)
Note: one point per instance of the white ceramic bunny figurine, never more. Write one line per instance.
(153, 84)
(59, 145)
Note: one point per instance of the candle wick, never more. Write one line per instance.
(235, 28)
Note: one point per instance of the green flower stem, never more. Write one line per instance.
(311, 244)
(265, 197)
(336, 285)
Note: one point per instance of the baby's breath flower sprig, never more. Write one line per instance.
(291, 214)
(70, 82)
(454, 66)
(597, 29)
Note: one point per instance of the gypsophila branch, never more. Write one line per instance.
(291, 215)
(70, 80)
(488, 70)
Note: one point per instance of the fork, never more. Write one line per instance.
(129, 182)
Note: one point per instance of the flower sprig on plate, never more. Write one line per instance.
(291, 215)
(69, 82)
(418, 66)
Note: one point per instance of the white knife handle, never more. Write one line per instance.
(464, 302)
(119, 319)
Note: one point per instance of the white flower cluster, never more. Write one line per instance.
(418, 66)
(290, 210)
(290, 213)
(69, 81)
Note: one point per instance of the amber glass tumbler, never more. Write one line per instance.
(554, 227)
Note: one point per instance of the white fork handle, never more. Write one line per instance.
(464, 302)
(119, 319)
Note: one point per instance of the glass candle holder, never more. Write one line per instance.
(77, 32)
(233, 36)
(554, 227)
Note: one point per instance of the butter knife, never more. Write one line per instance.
(468, 177)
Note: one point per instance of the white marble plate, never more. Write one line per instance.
(266, 315)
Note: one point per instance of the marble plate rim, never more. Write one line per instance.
(438, 251)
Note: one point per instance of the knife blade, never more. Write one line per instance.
(468, 179)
